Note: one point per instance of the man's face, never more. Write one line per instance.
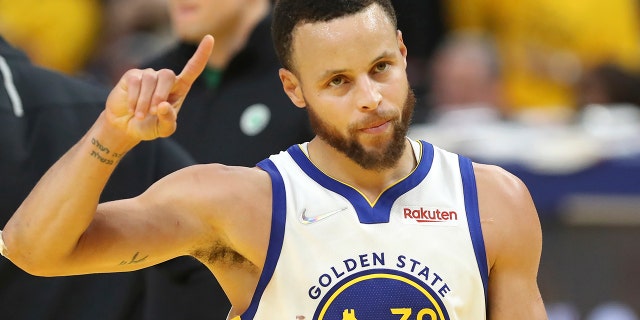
(193, 19)
(352, 78)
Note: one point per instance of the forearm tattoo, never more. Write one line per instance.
(135, 259)
(103, 154)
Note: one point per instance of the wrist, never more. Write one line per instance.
(108, 143)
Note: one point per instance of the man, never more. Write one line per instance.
(358, 223)
(42, 114)
(237, 103)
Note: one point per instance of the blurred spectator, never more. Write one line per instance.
(608, 101)
(236, 112)
(609, 84)
(42, 114)
(57, 34)
(465, 81)
(546, 44)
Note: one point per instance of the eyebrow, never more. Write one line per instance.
(330, 73)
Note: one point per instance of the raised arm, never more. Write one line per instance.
(513, 241)
(46, 232)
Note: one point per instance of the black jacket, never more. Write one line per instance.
(42, 114)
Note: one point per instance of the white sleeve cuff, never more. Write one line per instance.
(3, 248)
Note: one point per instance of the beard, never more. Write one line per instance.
(383, 157)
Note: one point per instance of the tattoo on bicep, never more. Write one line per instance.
(135, 259)
(103, 154)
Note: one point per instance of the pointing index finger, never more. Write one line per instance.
(195, 65)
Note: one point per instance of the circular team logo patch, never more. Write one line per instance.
(254, 119)
(381, 294)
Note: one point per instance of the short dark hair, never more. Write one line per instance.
(288, 14)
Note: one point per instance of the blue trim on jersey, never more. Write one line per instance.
(473, 218)
(276, 238)
(381, 210)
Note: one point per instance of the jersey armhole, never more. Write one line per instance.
(473, 218)
(276, 237)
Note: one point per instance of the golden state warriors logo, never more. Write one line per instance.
(381, 294)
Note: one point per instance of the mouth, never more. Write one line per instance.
(376, 127)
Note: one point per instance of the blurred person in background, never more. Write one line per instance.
(608, 84)
(42, 114)
(546, 46)
(57, 34)
(465, 84)
(465, 97)
(238, 100)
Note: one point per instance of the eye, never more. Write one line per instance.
(337, 81)
(381, 66)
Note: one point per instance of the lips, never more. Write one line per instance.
(379, 124)
(376, 127)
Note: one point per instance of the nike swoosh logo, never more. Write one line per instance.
(305, 219)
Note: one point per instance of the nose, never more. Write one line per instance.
(367, 94)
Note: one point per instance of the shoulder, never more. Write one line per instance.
(501, 184)
(510, 222)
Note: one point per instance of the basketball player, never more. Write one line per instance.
(359, 223)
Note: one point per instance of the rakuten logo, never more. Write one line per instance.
(422, 215)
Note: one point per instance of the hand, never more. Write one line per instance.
(145, 103)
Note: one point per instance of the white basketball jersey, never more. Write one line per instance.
(415, 253)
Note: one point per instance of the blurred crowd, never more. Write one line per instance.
(551, 84)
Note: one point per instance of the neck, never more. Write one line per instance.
(230, 41)
(369, 182)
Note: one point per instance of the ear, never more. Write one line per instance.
(402, 47)
(291, 87)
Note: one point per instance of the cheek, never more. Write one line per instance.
(340, 112)
(331, 118)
